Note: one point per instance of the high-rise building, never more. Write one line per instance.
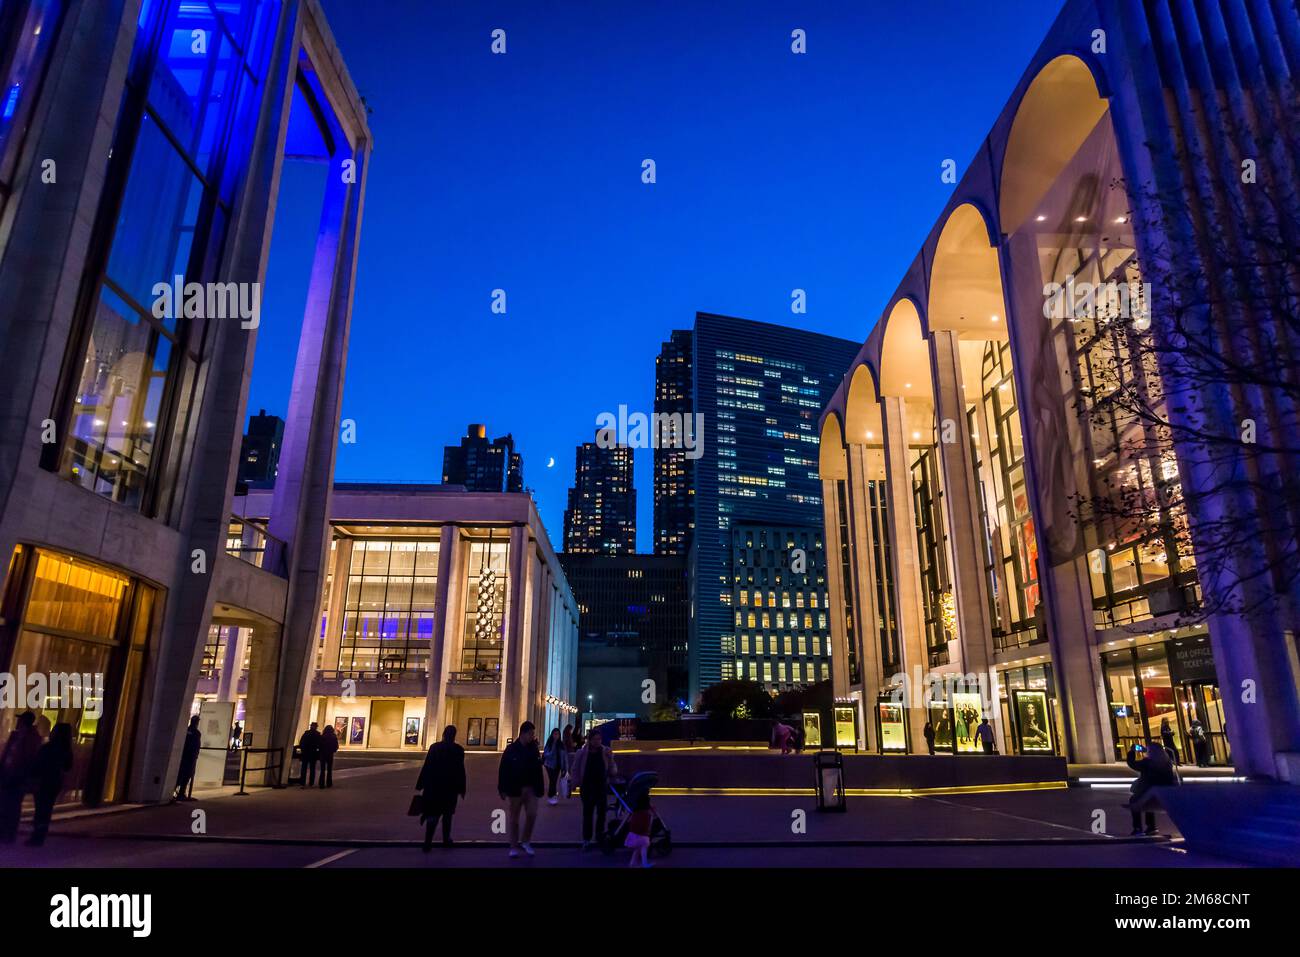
(674, 489)
(482, 465)
(757, 556)
(632, 626)
(601, 517)
(259, 453)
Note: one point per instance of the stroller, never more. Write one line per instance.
(625, 796)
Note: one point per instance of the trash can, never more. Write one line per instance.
(828, 767)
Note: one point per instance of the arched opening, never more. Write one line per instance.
(966, 298)
(1083, 355)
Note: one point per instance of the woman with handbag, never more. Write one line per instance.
(441, 781)
(555, 761)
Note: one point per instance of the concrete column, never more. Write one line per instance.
(304, 485)
(839, 590)
(965, 522)
(449, 577)
(1056, 469)
(862, 553)
(907, 570)
(232, 664)
(540, 638)
(512, 671)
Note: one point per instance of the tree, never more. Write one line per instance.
(737, 698)
(1197, 376)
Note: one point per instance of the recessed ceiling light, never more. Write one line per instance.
(1081, 219)
(1041, 218)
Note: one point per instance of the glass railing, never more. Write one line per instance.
(248, 540)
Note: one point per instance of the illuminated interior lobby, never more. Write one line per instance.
(962, 452)
(439, 606)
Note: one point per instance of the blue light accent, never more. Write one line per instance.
(11, 103)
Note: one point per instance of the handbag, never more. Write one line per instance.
(417, 806)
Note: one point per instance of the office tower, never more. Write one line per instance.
(757, 557)
(482, 465)
(673, 489)
(259, 453)
(632, 626)
(601, 517)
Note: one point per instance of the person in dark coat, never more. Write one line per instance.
(592, 769)
(53, 761)
(15, 773)
(928, 733)
(309, 750)
(189, 760)
(442, 779)
(519, 782)
(1154, 770)
(329, 745)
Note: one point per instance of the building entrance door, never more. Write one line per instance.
(1201, 701)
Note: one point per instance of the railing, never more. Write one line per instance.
(248, 540)
(271, 765)
(493, 677)
(392, 674)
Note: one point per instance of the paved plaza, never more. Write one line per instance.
(362, 822)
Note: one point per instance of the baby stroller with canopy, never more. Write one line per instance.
(626, 795)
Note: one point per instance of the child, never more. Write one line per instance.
(638, 832)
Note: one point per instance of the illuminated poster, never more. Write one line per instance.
(1033, 722)
(341, 728)
(845, 732)
(475, 738)
(893, 732)
(940, 718)
(411, 735)
(966, 713)
(490, 732)
(358, 735)
(812, 729)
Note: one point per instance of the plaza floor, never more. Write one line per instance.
(362, 822)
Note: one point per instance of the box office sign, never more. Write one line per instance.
(1190, 661)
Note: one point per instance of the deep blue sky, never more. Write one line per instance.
(523, 171)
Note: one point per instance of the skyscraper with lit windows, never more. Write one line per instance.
(601, 517)
(757, 556)
(674, 513)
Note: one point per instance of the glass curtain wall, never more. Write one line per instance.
(487, 607)
(1013, 546)
(932, 547)
(193, 91)
(389, 608)
(28, 29)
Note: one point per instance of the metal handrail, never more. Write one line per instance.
(278, 765)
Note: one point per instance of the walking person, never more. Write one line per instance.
(1167, 738)
(593, 768)
(519, 782)
(639, 823)
(189, 761)
(570, 752)
(1155, 769)
(553, 759)
(329, 746)
(928, 733)
(309, 751)
(1200, 744)
(984, 735)
(52, 762)
(442, 779)
(15, 773)
(781, 734)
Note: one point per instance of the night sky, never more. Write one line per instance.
(522, 172)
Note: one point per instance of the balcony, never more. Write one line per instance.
(248, 540)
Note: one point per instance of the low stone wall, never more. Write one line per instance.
(721, 769)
